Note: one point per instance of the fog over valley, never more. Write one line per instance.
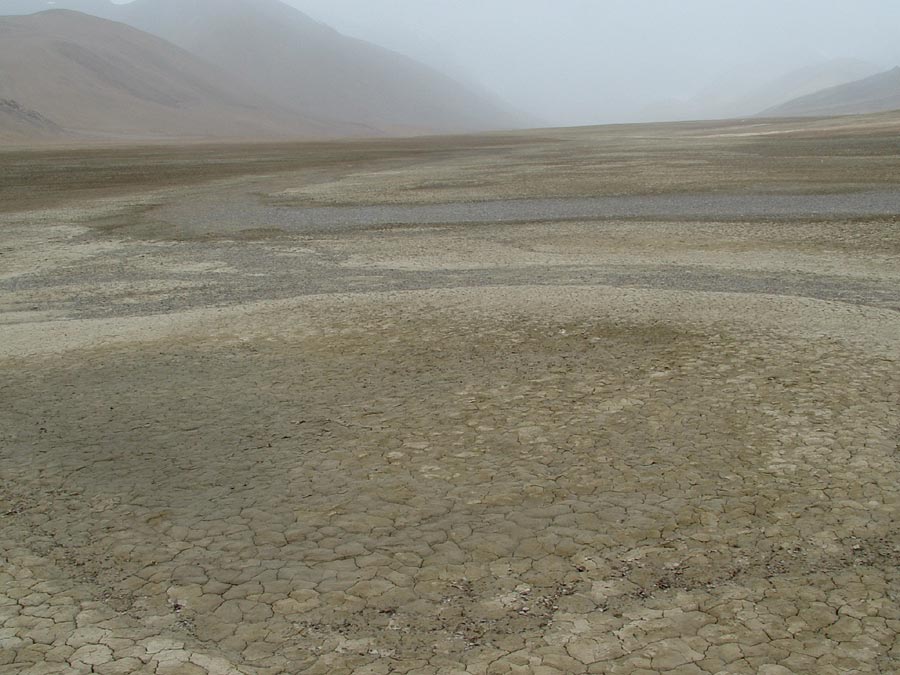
(585, 61)
(551, 63)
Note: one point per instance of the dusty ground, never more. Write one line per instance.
(587, 445)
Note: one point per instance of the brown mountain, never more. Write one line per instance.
(307, 66)
(300, 65)
(879, 93)
(98, 78)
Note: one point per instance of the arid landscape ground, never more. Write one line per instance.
(602, 400)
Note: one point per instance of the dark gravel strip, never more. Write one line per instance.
(231, 217)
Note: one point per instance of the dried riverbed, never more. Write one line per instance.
(572, 445)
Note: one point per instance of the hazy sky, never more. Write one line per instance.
(584, 61)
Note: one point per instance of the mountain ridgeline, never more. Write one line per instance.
(214, 69)
(93, 70)
(878, 93)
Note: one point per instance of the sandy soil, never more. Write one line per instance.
(576, 446)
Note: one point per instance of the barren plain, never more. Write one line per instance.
(605, 400)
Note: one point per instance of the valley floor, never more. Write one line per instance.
(247, 428)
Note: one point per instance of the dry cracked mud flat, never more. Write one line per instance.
(589, 445)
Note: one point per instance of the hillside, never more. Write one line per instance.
(801, 82)
(306, 67)
(97, 78)
(878, 93)
(20, 123)
(745, 91)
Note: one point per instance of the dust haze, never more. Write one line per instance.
(576, 62)
(563, 62)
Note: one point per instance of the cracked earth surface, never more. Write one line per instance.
(554, 448)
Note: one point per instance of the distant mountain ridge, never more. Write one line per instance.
(253, 68)
(878, 93)
(95, 78)
(308, 66)
(745, 91)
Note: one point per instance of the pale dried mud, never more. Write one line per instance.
(556, 447)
